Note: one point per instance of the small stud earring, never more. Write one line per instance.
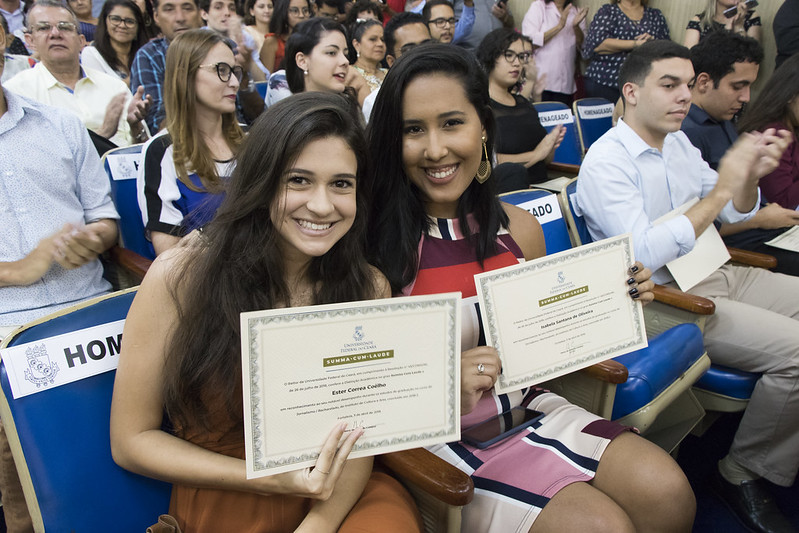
(305, 72)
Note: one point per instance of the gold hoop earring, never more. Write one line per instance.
(484, 170)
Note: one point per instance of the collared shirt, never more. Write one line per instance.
(88, 100)
(625, 185)
(149, 66)
(712, 137)
(50, 175)
(556, 58)
(484, 21)
(16, 18)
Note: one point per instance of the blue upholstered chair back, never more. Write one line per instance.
(123, 192)
(552, 113)
(544, 205)
(594, 117)
(63, 434)
(579, 222)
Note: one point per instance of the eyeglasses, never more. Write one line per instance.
(117, 21)
(62, 27)
(296, 11)
(442, 22)
(410, 46)
(511, 56)
(223, 70)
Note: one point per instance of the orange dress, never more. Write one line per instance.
(280, 51)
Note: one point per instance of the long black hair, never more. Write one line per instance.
(279, 23)
(102, 41)
(303, 39)
(236, 264)
(775, 100)
(397, 217)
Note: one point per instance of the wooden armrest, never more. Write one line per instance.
(754, 259)
(432, 474)
(609, 371)
(564, 167)
(130, 261)
(683, 300)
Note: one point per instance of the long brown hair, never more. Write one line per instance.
(183, 58)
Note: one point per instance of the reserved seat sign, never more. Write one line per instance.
(48, 363)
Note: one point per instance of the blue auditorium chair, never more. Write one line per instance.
(121, 165)
(720, 389)
(655, 397)
(552, 113)
(261, 87)
(594, 116)
(60, 438)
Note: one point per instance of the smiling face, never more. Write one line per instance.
(441, 27)
(219, 14)
(121, 33)
(372, 45)
(506, 73)
(658, 106)
(54, 47)
(176, 16)
(214, 95)
(316, 206)
(441, 141)
(327, 63)
(262, 11)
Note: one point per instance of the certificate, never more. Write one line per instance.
(561, 313)
(789, 240)
(389, 366)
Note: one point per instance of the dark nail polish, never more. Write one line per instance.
(634, 269)
(630, 281)
(633, 292)
(636, 295)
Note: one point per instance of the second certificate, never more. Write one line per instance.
(561, 313)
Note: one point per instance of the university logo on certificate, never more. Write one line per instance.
(389, 366)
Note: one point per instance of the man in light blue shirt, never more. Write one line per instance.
(644, 168)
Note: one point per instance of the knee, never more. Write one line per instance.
(612, 519)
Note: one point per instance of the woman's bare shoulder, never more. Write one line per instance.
(526, 231)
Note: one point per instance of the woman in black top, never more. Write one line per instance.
(521, 139)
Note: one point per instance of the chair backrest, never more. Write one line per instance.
(122, 165)
(553, 113)
(261, 87)
(594, 117)
(577, 226)
(544, 205)
(59, 435)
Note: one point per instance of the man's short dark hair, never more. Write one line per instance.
(338, 4)
(396, 22)
(156, 2)
(639, 61)
(717, 54)
(428, 8)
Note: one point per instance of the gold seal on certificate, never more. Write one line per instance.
(390, 366)
(561, 313)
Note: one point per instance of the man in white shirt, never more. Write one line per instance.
(102, 102)
(645, 167)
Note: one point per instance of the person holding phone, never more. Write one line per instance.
(738, 16)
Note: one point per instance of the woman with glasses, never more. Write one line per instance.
(120, 33)
(367, 52)
(286, 15)
(521, 139)
(185, 168)
(301, 168)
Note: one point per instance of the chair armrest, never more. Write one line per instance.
(431, 474)
(130, 261)
(682, 300)
(609, 371)
(754, 259)
(563, 168)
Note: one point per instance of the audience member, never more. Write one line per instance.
(300, 166)
(489, 15)
(617, 28)
(644, 168)
(439, 15)
(86, 21)
(14, 13)
(285, 17)
(435, 220)
(715, 18)
(186, 167)
(102, 102)
(58, 218)
(362, 10)
(258, 13)
(173, 17)
(220, 16)
(556, 28)
(523, 147)
(367, 53)
(786, 30)
(120, 34)
(151, 29)
(14, 44)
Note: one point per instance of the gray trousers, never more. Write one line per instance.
(756, 328)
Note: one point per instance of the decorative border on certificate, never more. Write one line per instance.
(560, 267)
(365, 362)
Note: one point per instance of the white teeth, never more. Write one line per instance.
(313, 226)
(442, 173)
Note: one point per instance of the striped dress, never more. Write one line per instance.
(515, 478)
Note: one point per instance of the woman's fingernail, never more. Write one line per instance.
(633, 292)
(636, 295)
(630, 281)
(634, 269)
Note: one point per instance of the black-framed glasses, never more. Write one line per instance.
(62, 27)
(442, 22)
(116, 20)
(510, 56)
(223, 70)
(296, 11)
